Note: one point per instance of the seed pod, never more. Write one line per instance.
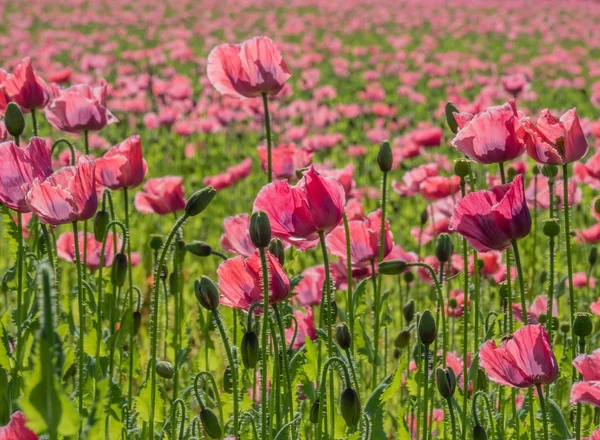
(276, 248)
(250, 350)
(392, 267)
(14, 119)
(211, 424)
(444, 248)
(551, 227)
(314, 412)
(228, 380)
(342, 336)
(479, 433)
(550, 171)
(582, 326)
(450, 119)
(156, 242)
(446, 382)
(165, 369)
(427, 328)
(199, 201)
(565, 327)
(119, 269)
(385, 159)
(206, 293)
(409, 311)
(101, 221)
(350, 406)
(260, 229)
(403, 339)
(462, 167)
(137, 322)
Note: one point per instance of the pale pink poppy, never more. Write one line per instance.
(306, 329)
(161, 195)
(123, 166)
(236, 238)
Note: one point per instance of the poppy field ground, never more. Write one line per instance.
(304, 219)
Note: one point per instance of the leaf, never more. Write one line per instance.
(367, 348)
(559, 425)
(394, 386)
(374, 409)
(11, 232)
(89, 344)
(142, 404)
(310, 368)
(357, 297)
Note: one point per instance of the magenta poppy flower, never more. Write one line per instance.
(247, 70)
(24, 87)
(19, 167)
(306, 329)
(595, 307)
(555, 142)
(161, 195)
(524, 360)
(236, 238)
(587, 393)
(490, 220)
(588, 365)
(3, 132)
(491, 136)
(123, 166)
(542, 197)
(68, 195)
(538, 307)
(589, 173)
(343, 175)
(286, 159)
(80, 108)
(309, 290)
(364, 240)
(241, 281)
(16, 429)
(514, 84)
(65, 249)
(299, 213)
(589, 235)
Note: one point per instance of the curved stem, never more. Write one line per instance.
(69, 144)
(346, 377)
(268, 133)
(198, 395)
(265, 430)
(521, 280)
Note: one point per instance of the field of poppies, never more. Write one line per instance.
(309, 219)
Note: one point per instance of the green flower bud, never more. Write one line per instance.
(543, 277)
(211, 424)
(462, 167)
(165, 369)
(550, 171)
(427, 328)
(409, 277)
(403, 339)
(551, 227)
(199, 248)
(424, 217)
(409, 311)
(397, 353)
(450, 110)
(385, 159)
(156, 242)
(276, 248)
(444, 248)
(446, 382)
(536, 170)
(452, 303)
(260, 229)
(14, 119)
(199, 201)
(342, 336)
(181, 250)
(593, 256)
(101, 221)
(119, 269)
(206, 293)
(250, 350)
(137, 322)
(597, 205)
(582, 326)
(350, 406)
(228, 380)
(392, 267)
(479, 433)
(314, 412)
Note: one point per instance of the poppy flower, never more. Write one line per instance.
(247, 70)
(490, 220)
(299, 213)
(161, 195)
(16, 429)
(588, 365)
(491, 136)
(67, 196)
(542, 197)
(524, 360)
(236, 238)
(286, 159)
(589, 172)
(411, 180)
(65, 249)
(555, 142)
(595, 307)
(589, 235)
(514, 84)
(586, 392)
(439, 187)
(241, 281)
(80, 108)
(457, 365)
(538, 307)
(309, 290)
(19, 167)
(24, 87)
(123, 165)
(458, 309)
(306, 329)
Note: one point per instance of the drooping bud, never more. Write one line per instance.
(206, 293)
(199, 248)
(409, 311)
(479, 433)
(350, 406)
(228, 380)
(119, 269)
(427, 328)
(199, 201)
(582, 326)
(450, 119)
(446, 382)
(101, 221)
(260, 229)
(250, 350)
(551, 227)
(392, 267)
(444, 248)
(276, 248)
(165, 369)
(461, 168)
(14, 119)
(403, 339)
(342, 336)
(211, 424)
(385, 159)
(314, 412)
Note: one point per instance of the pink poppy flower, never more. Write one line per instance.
(514, 84)
(236, 238)
(555, 142)
(306, 328)
(161, 195)
(538, 307)
(590, 235)
(580, 279)
(595, 307)
(19, 167)
(3, 131)
(286, 159)
(80, 108)
(427, 136)
(343, 175)
(459, 310)
(309, 290)
(123, 165)
(524, 360)
(24, 87)
(68, 195)
(491, 136)
(299, 213)
(543, 193)
(16, 429)
(589, 172)
(492, 263)
(457, 365)
(438, 187)
(247, 70)
(65, 249)
(411, 180)
(490, 220)
(588, 365)
(587, 393)
(241, 281)
(364, 240)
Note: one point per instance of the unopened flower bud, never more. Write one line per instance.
(276, 248)
(350, 406)
(427, 328)
(446, 382)
(211, 424)
(119, 269)
(444, 248)
(409, 277)
(536, 170)
(397, 353)
(14, 119)
(479, 433)
(450, 119)
(228, 380)
(593, 256)
(582, 326)
(385, 159)
(402, 340)
(199, 248)
(409, 311)
(565, 327)
(199, 201)
(165, 369)
(250, 349)
(462, 167)
(424, 217)
(206, 293)
(260, 229)
(342, 336)
(314, 412)
(392, 267)
(101, 221)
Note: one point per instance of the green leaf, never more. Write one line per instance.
(559, 425)
(394, 386)
(142, 404)
(366, 349)
(89, 344)
(374, 409)
(310, 368)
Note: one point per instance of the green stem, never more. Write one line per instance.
(268, 133)
(350, 302)
(34, 122)
(20, 261)
(377, 299)
(452, 419)
(543, 405)
(565, 171)
(289, 384)
(266, 432)
(47, 353)
(81, 320)
(130, 280)
(425, 390)
(521, 280)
